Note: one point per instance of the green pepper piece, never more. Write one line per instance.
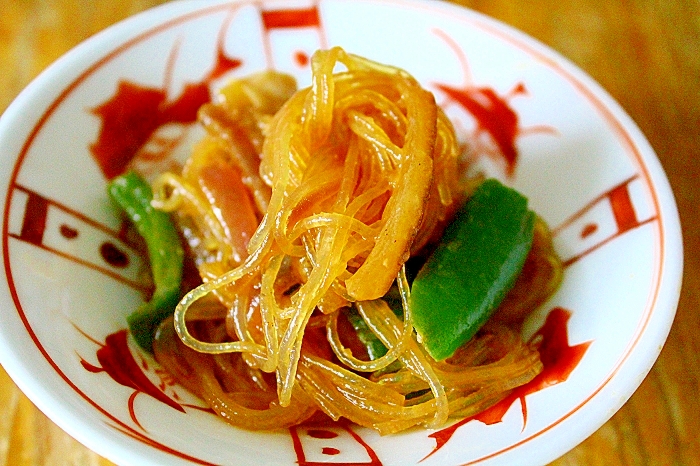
(477, 262)
(375, 348)
(165, 254)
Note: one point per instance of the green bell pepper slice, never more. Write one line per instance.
(165, 254)
(375, 348)
(472, 269)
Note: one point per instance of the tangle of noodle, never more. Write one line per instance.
(343, 181)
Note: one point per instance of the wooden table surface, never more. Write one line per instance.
(646, 53)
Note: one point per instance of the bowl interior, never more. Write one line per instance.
(532, 119)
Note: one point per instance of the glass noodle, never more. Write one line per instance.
(329, 190)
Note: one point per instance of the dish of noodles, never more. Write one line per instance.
(306, 210)
(221, 233)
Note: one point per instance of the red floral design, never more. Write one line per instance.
(559, 360)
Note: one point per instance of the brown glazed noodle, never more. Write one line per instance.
(298, 205)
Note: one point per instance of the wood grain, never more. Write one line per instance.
(646, 53)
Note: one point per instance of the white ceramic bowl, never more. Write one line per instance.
(70, 279)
